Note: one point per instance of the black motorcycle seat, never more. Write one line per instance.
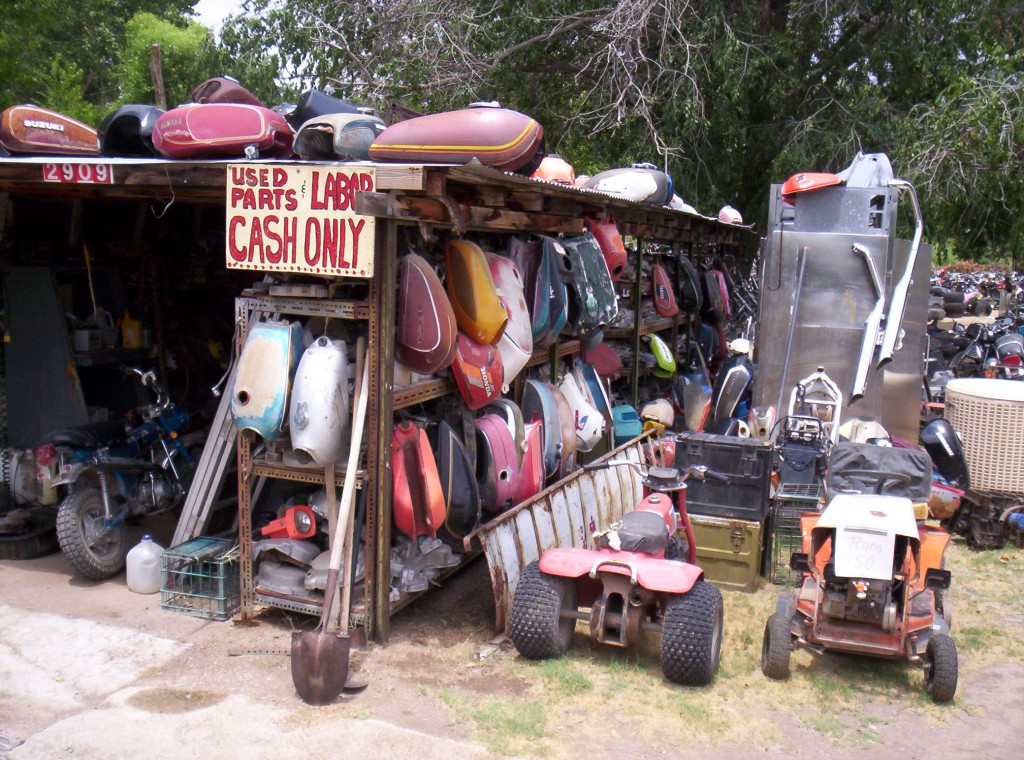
(91, 436)
(642, 531)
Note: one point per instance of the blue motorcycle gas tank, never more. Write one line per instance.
(259, 399)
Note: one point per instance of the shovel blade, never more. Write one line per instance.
(319, 665)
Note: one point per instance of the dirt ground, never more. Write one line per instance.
(91, 670)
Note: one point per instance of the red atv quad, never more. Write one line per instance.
(873, 579)
(634, 581)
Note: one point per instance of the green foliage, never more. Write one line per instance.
(189, 58)
(62, 92)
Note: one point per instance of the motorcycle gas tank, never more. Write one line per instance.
(338, 136)
(478, 371)
(567, 422)
(605, 359)
(652, 573)
(643, 184)
(513, 416)
(663, 292)
(417, 496)
(516, 343)
(665, 360)
(425, 342)
(588, 422)
(626, 424)
(474, 298)
(319, 409)
(943, 445)
(606, 232)
(498, 137)
(221, 129)
(458, 484)
(548, 297)
(587, 375)
(128, 131)
(592, 300)
(496, 471)
(661, 505)
(259, 398)
(689, 285)
(735, 378)
(31, 130)
(531, 471)
(539, 405)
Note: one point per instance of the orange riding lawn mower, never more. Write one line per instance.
(871, 579)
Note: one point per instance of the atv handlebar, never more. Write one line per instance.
(697, 471)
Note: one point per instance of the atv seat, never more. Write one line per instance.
(91, 436)
(642, 531)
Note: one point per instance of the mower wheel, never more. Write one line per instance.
(691, 635)
(94, 550)
(537, 628)
(776, 648)
(940, 668)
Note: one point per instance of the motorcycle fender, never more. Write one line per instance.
(653, 574)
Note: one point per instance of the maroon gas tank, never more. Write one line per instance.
(425, 341)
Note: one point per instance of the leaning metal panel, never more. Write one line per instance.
(566, 514)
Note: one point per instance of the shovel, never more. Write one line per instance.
(319, 657)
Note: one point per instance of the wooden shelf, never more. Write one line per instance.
(565, 348)
(663, 323)
(417, 394)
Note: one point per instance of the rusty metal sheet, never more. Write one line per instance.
(565, 514)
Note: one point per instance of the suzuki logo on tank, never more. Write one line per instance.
(299, 219)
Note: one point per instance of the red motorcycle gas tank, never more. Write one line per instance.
(224, 90)
(474, 298)
(211, 130)
(652, 573)
(498, 137)
(723, 289)
(662, 505)
(531, 472)
(478, 371)
(496, 472)
(426, 335)
(604, 358)
(612, 248)
(417, 497)
(663, 292)
(38, 131)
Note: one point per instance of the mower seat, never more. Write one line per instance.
(641, 531)
(92, 436)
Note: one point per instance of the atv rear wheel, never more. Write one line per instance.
(940, 668)
(776, 647)
(538, 629)
(691, 635)
(94, 550)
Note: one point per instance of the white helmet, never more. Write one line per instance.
(729, 215)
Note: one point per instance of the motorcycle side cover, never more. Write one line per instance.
(213, 130)
(498, 137)
(338, 136)
(128, 131)
(319, 410)
(496, 471)
(38, 131)
(663, 292)
(531, 471)
(734, 381)
(259, 398)
(665, 360)
(478, 371)
(592, 300)
(425, 341)
(417, 496)
(474, 298)
(516, 343)
(943, 445)
(458, 485)
(539, 406)
(587, 420)
(690, 295)
(606, 232)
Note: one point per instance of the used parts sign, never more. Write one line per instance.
(299, 219)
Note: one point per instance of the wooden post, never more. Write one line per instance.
(156, 73)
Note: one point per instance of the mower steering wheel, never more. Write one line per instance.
(884, 476)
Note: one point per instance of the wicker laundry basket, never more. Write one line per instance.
(989, 415)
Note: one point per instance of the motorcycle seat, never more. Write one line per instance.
(91, 436)
(641, 531)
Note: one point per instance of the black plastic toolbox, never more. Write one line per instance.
(746, 462)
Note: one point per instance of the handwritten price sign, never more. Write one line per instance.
(864, 553)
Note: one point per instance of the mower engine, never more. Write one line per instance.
(861, 600)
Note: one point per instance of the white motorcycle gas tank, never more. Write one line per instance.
(516, 344)
(590, 424)
(259, 398)
(319, 412)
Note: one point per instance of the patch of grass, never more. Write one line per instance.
(503, 725)
(825, 723)
(565, 677)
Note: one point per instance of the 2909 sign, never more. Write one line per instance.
(89, 174)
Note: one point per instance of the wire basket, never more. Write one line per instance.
(791, 501)
(200, 579)
(989, 416)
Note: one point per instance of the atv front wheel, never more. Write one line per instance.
(691, 635)
(94, 550)
(940, 668)
(776, 648)
(538, 629)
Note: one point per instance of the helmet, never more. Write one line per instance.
(729, 215)
(739, 346)
(680, 205)
(555, 169)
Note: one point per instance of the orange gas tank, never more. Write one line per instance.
(478, 309)
(417, 497)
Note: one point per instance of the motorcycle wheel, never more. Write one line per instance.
(94, 551)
